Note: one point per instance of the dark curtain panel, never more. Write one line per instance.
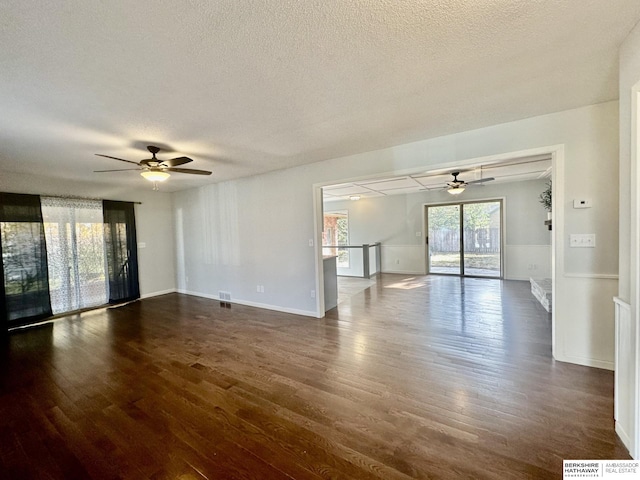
(25, 277)
(122, 250)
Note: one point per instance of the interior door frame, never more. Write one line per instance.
(425, 219)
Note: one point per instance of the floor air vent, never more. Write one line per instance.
(225, 299)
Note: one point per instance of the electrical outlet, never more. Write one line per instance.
(311, 242)
(313, 294)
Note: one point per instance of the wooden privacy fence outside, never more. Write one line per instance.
(479, 240)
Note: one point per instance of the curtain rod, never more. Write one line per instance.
(73, 197)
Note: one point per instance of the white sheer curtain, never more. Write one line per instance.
(76, 253)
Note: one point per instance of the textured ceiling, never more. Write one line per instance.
(245, 87)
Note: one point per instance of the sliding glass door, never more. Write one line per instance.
(481, 224)
(62, 255)
(444, 239)
(76, 251)
(465, 239)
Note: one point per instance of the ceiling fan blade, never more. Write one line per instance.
(116, 158)
(117, 170)
(480, 181)
(188, 170)
(174, 162)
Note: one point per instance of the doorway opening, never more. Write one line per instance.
(465, 239)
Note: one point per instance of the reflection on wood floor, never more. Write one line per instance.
(350, 286)
(414, 377)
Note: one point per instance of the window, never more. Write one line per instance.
(61, 255)
(24, 277)
(76, 253)
(335, 233)
(121, 251)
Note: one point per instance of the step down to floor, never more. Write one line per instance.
(541, 289)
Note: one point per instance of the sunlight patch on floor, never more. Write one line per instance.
(350, 286)
(408, 283)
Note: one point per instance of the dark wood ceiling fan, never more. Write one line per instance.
(155, 169)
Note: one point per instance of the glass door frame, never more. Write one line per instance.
(461, 227)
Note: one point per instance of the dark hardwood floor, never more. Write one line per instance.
(415, 377)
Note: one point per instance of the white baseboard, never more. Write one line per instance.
(158, 293)
(295, 311)
(198, 294)
(266, 306)
(625, 439)
(404, 272)
(587, 362)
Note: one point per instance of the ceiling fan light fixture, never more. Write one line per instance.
(155, 175)
(456, 190)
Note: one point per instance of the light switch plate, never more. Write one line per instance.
(582, 240)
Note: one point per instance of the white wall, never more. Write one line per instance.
(236, 235)
(154, 222)
(627, 398)
(396, 220)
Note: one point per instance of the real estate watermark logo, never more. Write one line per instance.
(620, 469)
